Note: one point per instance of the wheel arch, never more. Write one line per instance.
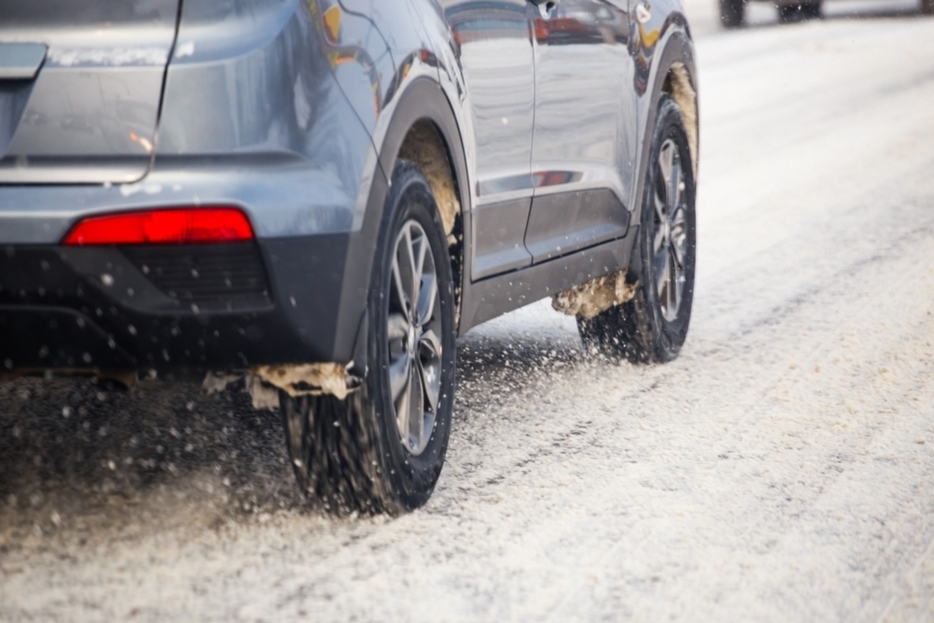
(680, 87)
(675, 74)
(422, 128)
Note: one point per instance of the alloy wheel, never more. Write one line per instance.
(669, 250)
(414, 327)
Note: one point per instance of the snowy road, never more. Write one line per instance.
(781, 470)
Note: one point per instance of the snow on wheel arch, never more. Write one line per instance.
(678, 85)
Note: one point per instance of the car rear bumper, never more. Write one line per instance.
(295, 295)
(229, 306)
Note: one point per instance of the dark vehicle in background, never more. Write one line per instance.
(732, 12)
(313, 199)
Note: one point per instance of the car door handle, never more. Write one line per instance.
(21, 61)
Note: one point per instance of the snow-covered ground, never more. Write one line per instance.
(781, 470)
(704, 18)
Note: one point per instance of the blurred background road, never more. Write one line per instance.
(781, 470)
(704, 18)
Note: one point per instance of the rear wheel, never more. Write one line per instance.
(731, 13)
(382, 448)
(652, 326)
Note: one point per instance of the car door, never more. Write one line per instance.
(494, 45)
(583, 145)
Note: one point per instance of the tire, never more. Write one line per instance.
(789, 13)
(349, 455)
(652, 327)
(927, 7)
(731, 13)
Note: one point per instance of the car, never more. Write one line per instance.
(732, 12)
(312, 200)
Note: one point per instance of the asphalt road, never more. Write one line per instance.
(781, 470)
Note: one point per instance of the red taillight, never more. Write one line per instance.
(170, 226)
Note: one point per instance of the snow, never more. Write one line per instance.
(185, 49)
(781, 470)
(148, 188)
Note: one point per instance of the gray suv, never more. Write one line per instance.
(312, 199)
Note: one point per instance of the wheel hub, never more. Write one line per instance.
(410, 340)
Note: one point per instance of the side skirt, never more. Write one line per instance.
(489, 298)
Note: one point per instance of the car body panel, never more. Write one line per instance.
(98, 308)
(269, 97)
(574, 164)
(493, 45)
(91, 110)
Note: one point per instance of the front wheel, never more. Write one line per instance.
(653, 325)
(382, 448)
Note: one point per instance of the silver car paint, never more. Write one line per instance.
(92, 111)
(269, 96)
(257, 121)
